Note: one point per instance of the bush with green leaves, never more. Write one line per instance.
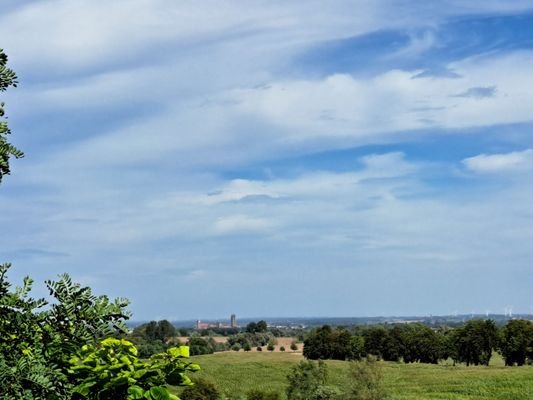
(305, 379)
(43, 336)
(367, 380)
(201, 390)
(112, 370)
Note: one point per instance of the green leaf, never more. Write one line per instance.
(181, 351)
(159, 393)
(135, 392)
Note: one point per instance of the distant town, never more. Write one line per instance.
(306, 322)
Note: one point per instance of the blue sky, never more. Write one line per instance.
(280, 158)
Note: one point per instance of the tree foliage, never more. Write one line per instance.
(516, 342)
(112, 370)
(366, 380)
(305, 379)
(473, 343)
(327, 343)
(34, 359)
(7, 150)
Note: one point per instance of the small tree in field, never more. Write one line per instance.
(259, 348)
(247, 347)
(270, 347)
(305, 379)
(294, 346)
(367, 380)
(282, 348)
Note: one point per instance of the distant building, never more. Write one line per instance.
(205, 325)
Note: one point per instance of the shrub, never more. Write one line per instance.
(327, 393)
(294, 346)
(367, 380)
(305, 379)
(282, 348)
(201, 390)
(259, 348)
(270, 347)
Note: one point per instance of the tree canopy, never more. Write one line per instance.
(7, 150)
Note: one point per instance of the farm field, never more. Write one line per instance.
(237, 373)
(281, 342)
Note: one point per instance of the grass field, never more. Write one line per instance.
(237, 373)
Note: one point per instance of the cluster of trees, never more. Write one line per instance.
(257, 327)
(153, 337)
(247, 340)
(472, 344)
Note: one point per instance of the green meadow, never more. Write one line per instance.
(237, 373)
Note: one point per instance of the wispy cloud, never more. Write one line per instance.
(515, 161)
(284, 146)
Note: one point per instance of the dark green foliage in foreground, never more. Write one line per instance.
(112, 370)
(201, 390)
(37, 343)
(7, 150)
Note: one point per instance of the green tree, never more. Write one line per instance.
(294, 346)
(305, 379)
(516, 342)
(475, 341)
(262, 326)
(7, 150)
(357, 347)
(366, 380)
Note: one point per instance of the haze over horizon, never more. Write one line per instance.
(283, 157)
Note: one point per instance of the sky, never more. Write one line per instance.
(273, 158)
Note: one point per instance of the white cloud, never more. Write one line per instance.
(515, 161)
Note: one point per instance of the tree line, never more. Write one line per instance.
(471, 344)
